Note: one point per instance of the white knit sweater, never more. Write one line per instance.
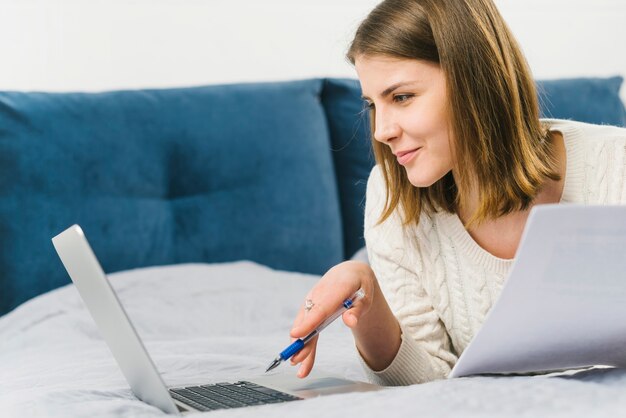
(440, 283)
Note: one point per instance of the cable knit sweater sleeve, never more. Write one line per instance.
(425, 352)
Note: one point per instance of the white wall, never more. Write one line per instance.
(570, 37)
(99, 45)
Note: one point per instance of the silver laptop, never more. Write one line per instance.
(138, 368)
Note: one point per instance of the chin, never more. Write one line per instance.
(421, 182)
(426, 178)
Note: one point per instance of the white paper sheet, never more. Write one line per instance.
(564, 302)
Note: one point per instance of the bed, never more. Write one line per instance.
(54, 362)
(174, 187)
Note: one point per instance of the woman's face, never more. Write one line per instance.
(409, 98)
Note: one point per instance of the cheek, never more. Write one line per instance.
(428, 119)
(434, 136)
(442, 151)
(437, 133)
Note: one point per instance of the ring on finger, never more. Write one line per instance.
(308, 305)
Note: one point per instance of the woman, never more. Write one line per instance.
(462, 157)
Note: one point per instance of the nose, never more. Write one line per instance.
(385, 126)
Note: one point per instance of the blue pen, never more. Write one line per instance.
(299, 344)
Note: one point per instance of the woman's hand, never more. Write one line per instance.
(338, 284)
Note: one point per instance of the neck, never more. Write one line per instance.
(550, 192)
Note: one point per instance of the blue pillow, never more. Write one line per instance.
(592, 100)
(351, 149)
(204, 174)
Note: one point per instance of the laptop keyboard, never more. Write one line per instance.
(228, 395)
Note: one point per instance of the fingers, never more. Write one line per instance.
(324, 299)
(350, 318)
(327, 296)
(307, 365)
(305, 352)
(306, 358)
(297, 322)
(306, 322)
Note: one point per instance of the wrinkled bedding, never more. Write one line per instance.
(210, 323)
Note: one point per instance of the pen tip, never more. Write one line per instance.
(273, 364)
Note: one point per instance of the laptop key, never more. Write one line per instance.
(225, 392)
(242, 390)
(243, 394)
(229, 395)
(271, 392)
(179, 394)
(216, 397)
(252, 394)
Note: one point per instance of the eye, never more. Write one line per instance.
(401, 98)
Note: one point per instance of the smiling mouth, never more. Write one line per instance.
(405, 157)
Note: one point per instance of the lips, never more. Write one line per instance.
(406, 156)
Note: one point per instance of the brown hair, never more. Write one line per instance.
(499, 143)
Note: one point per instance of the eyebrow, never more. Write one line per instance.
(391, 88)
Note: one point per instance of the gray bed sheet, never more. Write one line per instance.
(216, 322)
